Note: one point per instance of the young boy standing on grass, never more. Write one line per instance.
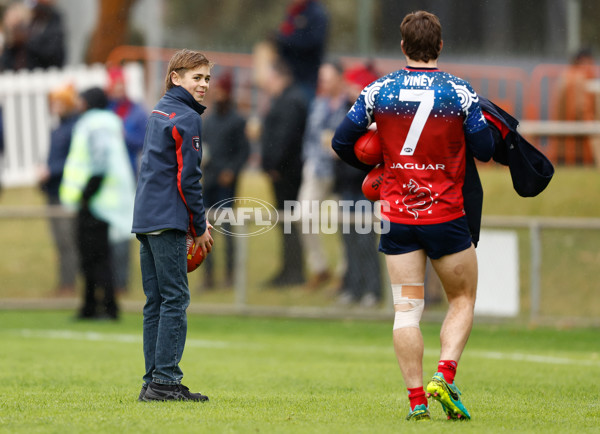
(427, 120)
(168, 203)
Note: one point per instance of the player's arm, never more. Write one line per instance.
(354, 125)
(477, 133)
(346, 135)
(481, 144)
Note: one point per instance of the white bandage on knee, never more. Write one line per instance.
(409, 303)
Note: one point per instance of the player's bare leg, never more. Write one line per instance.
(407, 274)
(458, 273)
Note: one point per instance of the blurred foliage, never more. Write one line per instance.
(476, 28)
(233, 25)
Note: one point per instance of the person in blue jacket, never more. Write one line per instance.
(168, 203)
(132, 113)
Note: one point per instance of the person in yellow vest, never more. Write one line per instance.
(98, 182)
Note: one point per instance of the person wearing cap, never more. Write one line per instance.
(98, 183)
(361, 281)
(301, 41)
(65, 108)
(226, 150)
(133, 114)
(134, 119)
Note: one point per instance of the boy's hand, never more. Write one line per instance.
(204, 241)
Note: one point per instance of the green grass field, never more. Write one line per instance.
(287, 376)
(311, 376)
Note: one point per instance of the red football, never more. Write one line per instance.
(371, 186)
(368, 148)
(193, 262)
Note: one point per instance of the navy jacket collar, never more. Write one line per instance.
(180, 94)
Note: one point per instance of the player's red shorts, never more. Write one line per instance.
(437, 240)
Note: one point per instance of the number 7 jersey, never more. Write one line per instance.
(422, 116)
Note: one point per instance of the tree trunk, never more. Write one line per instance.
(111, 29)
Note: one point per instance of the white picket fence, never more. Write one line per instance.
(25, 113)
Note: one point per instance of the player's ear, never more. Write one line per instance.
(441, 46)
(175, 78)
(402, 47)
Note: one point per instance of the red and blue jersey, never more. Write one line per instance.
(423, 117)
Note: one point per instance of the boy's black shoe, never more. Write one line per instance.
(171, 392)
(143, 392)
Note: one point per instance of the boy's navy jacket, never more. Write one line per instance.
(169, 193)
(530, 170)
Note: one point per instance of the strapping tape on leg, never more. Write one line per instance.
(409, 304)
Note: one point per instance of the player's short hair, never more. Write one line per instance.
(422, 35)
(182, 61)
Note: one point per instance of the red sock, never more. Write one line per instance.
(416, 396)
(448, 368)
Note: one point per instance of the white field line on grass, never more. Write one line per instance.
(520, 357)
(107, 337)
(201, 343)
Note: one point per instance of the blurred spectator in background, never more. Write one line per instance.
(362, 280)
(575, 102)
(98, 181)
(281, 140)
(225, 151)
(64, 108)
(301, 41)
(134, 119)
(34, 38)
(133, 115)
(326, 112)
(15, 23)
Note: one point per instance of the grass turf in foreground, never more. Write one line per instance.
(283, 375)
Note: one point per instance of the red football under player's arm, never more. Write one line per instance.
(346, 135)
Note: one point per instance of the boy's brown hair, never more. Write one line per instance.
(182, 61)
(422, 35)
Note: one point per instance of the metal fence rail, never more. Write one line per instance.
(535, 225)
(240, 304)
